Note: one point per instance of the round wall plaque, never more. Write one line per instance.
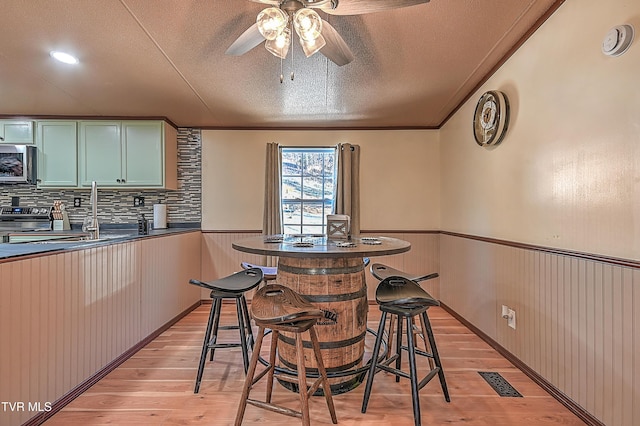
(491, 118)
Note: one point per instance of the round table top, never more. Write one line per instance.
(319, 246)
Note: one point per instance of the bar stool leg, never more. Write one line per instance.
(436, 357)
(217, 306)
(425, 339)
(275, 335)
(398, 345)
(374, 362)
(302, 381)
(243, 334)
(326, 387)
(213, 314)
(247, 320)
(413, 374)
(248, 382)
(392, 326)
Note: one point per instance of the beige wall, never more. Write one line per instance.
(400, 176)
(567, 174)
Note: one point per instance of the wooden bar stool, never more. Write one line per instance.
(269, 272)
(231, 287)
(381, 271)
(405, 299)
(280, 309)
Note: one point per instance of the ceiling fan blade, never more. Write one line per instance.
(247, 41)
(360, 7)
(336, 49)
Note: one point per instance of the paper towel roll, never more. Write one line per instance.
(159, 216)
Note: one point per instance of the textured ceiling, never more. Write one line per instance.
(413, 66)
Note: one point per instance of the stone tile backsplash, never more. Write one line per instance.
(116, 206)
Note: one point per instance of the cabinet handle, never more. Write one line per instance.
(1, 138)
(118, 180)
(124, 181)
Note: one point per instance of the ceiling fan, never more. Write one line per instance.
(276, 24)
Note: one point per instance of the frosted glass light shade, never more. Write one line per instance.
(308, 24)
(280, 45)
(271, 22)
(311, 47)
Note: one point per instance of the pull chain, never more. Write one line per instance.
(281, 71)
(292, 49)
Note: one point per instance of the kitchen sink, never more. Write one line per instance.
(81, 239)
(60, 238)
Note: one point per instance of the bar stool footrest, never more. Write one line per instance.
(275, 408)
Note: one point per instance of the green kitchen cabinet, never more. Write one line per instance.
(128, 154)
(16, 132)
(100, 153)
(57, 154)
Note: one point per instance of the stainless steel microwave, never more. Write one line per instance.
(18, 164)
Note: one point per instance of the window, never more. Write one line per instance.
(308, 189)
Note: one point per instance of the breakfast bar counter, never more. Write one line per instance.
(109, 236)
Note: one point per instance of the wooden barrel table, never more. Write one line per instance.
(338, 287)
(330, 274)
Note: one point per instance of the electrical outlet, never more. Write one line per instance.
(505, 312)
(138, 201)
(77, 202)
(511, 319)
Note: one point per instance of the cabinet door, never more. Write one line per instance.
(57, 153)
(100, 153)
(143, 153)
(16, 132)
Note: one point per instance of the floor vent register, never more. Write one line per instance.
(499, 384)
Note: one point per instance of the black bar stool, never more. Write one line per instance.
(269, 272)
(283, 310)
(381, 271)
(231, 287)
(405, 299)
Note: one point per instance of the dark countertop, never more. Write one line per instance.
(108, 236)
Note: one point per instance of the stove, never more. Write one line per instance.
(17, 218)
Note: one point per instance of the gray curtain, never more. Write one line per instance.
(272, 217)
(348, 185)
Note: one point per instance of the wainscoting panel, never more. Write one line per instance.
(64, 317)
(577, 321)
(166, 292)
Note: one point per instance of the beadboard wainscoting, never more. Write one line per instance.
(577, 317)
(65, 317)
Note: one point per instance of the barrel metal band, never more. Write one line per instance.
(320, 271)
(325, 345)
(330, 370)
(328, 298)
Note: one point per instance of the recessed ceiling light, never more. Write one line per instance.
(64, 57)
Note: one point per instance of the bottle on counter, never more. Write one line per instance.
(143, 226)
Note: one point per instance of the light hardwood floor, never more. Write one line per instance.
(155, 387)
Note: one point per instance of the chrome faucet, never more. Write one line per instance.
(91, 223)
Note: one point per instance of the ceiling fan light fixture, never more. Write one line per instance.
(308, 24)
(271, 22)
(280, 45)
(312, 46)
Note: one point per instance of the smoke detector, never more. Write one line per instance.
(617, 40)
